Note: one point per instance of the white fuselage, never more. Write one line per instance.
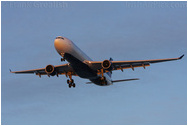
(68, 50)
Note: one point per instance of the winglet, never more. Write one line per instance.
(181, 57)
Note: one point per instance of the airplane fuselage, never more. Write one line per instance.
(78, 61)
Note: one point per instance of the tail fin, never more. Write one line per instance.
(110, 73)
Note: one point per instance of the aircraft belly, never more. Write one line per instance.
(84, 71)
(80, 68)
(97, 81)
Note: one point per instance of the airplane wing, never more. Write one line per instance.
(120, 65)
(61, 69)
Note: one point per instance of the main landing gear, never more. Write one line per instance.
(70, 81)
(103, 79)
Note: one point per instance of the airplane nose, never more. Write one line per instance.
(58, 44)
(63, 45)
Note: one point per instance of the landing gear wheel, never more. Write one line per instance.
(68, 81)
(103, 82)
(103, 78)
(70, 85)
(74, 85)
(72, 81)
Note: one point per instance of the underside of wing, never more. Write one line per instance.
(41, 70)
(54, 70)
(120, 65)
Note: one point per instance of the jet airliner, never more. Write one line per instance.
(98, 72)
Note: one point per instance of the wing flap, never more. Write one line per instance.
(129, 66)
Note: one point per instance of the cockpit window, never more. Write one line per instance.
(59, 37)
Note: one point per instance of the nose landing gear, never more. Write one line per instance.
(62, 59)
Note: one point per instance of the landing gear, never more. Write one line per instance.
(103, 81)
(71, 82)
(70, 85)
(62, 59)
(103, 78)
(74, 85)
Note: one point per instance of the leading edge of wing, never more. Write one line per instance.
(149, 61)
(131, 64)
(40, 70)
(28, 71)
(141, 61)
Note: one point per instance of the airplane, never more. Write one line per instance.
(98, 72)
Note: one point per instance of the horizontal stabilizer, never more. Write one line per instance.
(118, 80)
(89, 82)
(125, 80)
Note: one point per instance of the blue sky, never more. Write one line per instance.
(121, 30)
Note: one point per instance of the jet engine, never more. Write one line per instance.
(107, 65)
(50, 70)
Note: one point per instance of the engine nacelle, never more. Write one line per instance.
(107, 65)
(50, 70)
